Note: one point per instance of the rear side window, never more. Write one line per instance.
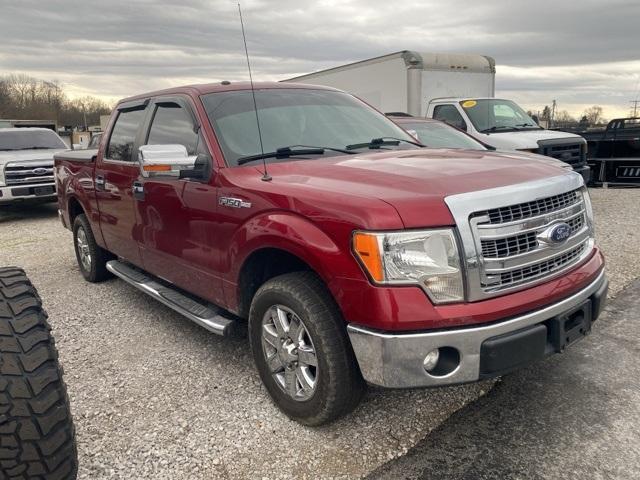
(124, 134)
(450, 115)
(173, 125)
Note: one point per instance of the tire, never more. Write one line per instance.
(95, 270)
(337, 383)
(37, 437)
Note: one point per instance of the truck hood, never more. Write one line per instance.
(523, 138)
(414, 182)
(28, 155)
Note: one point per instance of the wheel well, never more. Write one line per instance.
(75, 209)
(261, 266)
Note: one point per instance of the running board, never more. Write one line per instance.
(206, 316)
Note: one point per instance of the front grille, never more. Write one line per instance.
(572, 153)
(539, 270)
(523, 243)
(29, 173)
(514, 244)
(530, 209)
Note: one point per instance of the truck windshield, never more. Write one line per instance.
(492, 115)
(294, 116)
(441, 135)
(29, 140)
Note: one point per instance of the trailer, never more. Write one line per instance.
(407, 81)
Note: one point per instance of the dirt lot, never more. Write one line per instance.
(155, 396)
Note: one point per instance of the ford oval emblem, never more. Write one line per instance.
(559, 233)
(39, 171)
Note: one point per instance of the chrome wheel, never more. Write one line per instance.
(83, 249)
(289, 352)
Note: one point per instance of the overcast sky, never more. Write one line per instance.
(579, 52)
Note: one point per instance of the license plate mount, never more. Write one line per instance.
(570, 327)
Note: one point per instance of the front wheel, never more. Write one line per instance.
(301, 349)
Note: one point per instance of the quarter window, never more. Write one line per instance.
(450, 115)
(173, 125)
(124, 135)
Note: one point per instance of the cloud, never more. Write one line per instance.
(577, 51)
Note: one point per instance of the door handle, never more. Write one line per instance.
(138, 190)
(99, 181)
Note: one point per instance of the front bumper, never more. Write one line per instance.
(396, 360)
(16, 193)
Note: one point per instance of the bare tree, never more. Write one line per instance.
(594, 115)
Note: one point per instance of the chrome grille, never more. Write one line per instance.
(506, 233)
(541, 269)
(29, 173)
(530, 209)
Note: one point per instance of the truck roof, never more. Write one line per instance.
(205, 88)
(424, 60)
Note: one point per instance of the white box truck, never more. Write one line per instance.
(407, 81)
(456, 88)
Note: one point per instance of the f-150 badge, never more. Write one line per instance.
(234, 202)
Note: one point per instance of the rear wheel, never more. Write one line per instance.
(301, 349)
(36, 430)
(92, 259)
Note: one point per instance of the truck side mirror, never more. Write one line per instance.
(165, 161)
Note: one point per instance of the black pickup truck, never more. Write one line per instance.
(614, 153)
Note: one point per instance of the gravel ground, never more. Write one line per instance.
(154, 396)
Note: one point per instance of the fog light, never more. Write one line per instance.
(431, 360)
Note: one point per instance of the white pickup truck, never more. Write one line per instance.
(504, 125)
(26, 164)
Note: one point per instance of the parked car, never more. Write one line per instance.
(354, 254)
(436, 134)
(26, 164)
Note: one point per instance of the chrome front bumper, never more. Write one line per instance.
(396, 360)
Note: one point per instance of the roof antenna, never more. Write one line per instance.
(265, 176)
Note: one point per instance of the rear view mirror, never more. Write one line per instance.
(165, 160)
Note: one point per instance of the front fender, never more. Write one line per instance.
(292, 233)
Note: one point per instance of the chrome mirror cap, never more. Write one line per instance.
(165, 160)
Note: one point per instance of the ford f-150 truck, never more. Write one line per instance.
(26, 164)
(354, 254)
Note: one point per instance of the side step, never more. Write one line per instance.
(206, 316)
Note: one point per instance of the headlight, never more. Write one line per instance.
(427, 258)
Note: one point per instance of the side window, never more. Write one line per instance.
(123, 135)
(173, 125)
(450, 115)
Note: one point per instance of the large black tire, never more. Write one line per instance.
(96, 270)
(37, 438)
(339, 386)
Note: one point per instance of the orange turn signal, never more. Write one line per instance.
(367, 249)
(157, 168)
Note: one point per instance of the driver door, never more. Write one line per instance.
(178, 217)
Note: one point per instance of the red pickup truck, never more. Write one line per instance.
(354, 254)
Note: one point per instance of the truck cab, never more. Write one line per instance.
(504, 125)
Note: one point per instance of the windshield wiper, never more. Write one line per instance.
(527, 125)
(382, 141)
(286, 152)
(498, 127)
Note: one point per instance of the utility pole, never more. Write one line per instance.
(553, 113)
(635, 107)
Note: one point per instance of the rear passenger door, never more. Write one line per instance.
(117, 169)
(177, 217)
